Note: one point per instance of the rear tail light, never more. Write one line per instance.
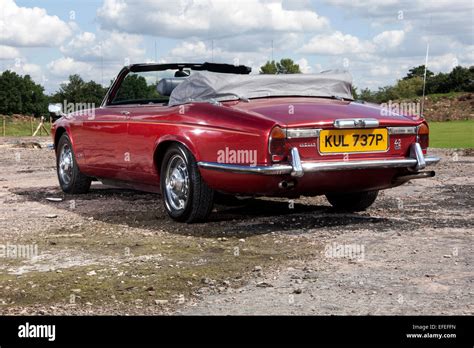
(277, 144)
(424, 136)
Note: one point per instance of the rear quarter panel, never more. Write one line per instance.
(206, 130)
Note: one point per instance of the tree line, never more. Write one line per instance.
(460, 79)
(21, 95)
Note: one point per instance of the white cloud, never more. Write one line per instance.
(261, 42)
(305, 68)
(380, 70)
(206, 18)
(318, 68)
(60, 69)
(335, 44)
(107, 46)
(66, 66)
(7, 52)
(25, 26)
(440, 17)
(194, 49)
(444, 62)
(24, 68)
(241, 32)
(338, 43)
(467, 56)
(199, 51)
(389, 39)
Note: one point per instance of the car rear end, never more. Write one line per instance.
(351, 154)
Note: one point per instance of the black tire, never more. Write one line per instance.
(198, 198)
(357, 201)
(78, 182)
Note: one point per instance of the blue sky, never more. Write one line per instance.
(377, 41)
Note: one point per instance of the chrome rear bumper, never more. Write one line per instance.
(297, 168)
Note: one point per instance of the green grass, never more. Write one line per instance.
(452, 134)
(18, 128)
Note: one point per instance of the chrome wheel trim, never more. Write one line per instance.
(177, 183)
(65, 164)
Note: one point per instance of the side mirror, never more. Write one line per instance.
(55, 109)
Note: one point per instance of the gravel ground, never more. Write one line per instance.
(115, 251)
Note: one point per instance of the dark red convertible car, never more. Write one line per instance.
(190, 131)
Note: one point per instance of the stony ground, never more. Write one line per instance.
(116, 252)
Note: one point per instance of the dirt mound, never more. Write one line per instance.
(450, 107)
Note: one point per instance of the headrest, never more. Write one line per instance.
(166, 86)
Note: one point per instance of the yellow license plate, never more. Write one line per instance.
(353, 140)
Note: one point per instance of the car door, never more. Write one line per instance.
(146, 125)
(104, 142)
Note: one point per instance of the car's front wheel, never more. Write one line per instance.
(70, 177)
(186, 196)
(356, 201)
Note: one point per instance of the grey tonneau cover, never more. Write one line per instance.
(205, 86)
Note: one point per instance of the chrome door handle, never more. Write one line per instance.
(126, 113)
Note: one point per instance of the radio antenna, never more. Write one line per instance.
(424, 79)
(424, 74)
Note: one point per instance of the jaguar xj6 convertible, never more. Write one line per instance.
(194, 131)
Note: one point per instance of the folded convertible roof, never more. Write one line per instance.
(214, 67)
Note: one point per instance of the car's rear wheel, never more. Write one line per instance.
(356, 201)
(187, 198)
(70, 177)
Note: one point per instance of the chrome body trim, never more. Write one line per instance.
(297, 168)
(417, 153)
(356, 123)
(278, 169)
(296, 163)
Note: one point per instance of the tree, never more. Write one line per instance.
(135, 87)
(21, 95)
(418, 71)
(461, 79)
(355, 93)
(77, 91)
(284, 66)
(438, 83)
(269, 68)
(408, 88)
(94, 92)
(287, 66)
(367, 95)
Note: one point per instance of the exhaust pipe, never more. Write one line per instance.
(286, 184)
(421, 175)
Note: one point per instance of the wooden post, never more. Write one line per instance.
(31, 125)
(44, 127)
(37, 129)
(4, 125)
(41, 127)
